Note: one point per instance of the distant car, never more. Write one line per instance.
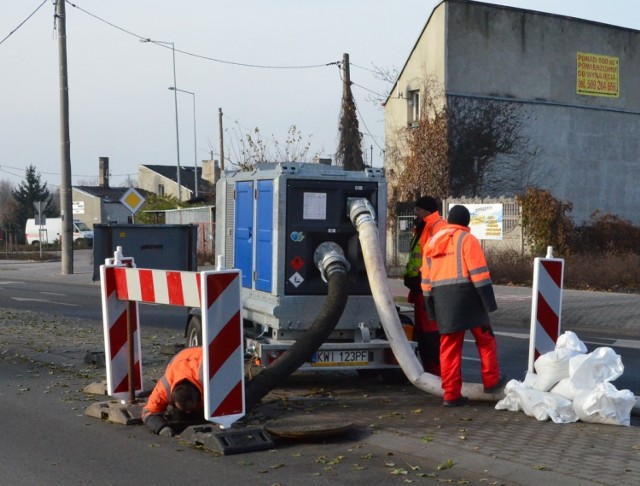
(50, 231)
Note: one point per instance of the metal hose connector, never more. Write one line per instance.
(329, 258)
(360, 211)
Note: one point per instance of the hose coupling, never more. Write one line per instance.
(329, 258)
(360, 211)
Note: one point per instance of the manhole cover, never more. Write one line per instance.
(306, 427)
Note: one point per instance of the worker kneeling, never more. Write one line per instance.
(177, 398)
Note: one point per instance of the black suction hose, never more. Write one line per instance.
(302, 349)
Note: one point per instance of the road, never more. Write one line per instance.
(400, 435)
(512, 330)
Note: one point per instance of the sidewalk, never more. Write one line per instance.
(480, 440)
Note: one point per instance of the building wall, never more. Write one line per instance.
(589, 145)
(87, 208)
(426, 62)
(589, 148)
(150, 181)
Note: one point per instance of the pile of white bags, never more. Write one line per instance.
(570, 384)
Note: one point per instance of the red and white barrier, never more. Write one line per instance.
(223, 347)
(116, 338)
(546, 305)
(217, 293)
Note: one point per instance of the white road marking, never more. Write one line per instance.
(8, 282)
(26, 299)
(53, 293)
(615, 343)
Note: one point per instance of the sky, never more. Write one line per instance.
(269, 65)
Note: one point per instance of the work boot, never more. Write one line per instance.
(458, 402)
(502, 381)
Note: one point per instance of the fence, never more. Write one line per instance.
(398, 243)
(203, 217)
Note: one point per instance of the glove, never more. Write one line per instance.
(166, 432)
(413, 283)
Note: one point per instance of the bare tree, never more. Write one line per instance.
(249, 148)
(462, 147)
(491, 152)
(420, 156)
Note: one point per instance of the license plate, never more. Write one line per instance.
(340, 358)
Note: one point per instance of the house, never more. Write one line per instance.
(575, 80)
(101, 204)
(163, 180)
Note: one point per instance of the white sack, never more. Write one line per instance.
(536, 403)
(565, 389)
(553, 366)
(604, 404)
(570, 340)
(600, 366)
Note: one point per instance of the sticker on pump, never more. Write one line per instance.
(297, 263)
(297, 236)
(296, 279)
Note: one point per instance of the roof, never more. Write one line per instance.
(109, 194)
(187, 176)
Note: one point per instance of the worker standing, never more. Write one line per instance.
(427, 221)
(459, 293)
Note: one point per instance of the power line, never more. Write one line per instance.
(23, 22)
(199, 56)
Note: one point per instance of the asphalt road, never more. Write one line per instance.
(599, 319)
(401, 434)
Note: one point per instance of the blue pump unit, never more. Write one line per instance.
(270, 221)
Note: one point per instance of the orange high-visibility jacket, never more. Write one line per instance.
(186, 365)
(456, 281)
(433, 224)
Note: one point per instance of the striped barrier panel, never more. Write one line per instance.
(116, 338)
(546, 306)
(217, 293)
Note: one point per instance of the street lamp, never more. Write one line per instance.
(175, 99)
(195, 147)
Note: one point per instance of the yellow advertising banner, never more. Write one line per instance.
(597, 75)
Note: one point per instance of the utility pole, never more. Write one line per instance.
(66, 237)
(347, 73)
(221, 139)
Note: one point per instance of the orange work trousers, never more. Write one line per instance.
(451, 359)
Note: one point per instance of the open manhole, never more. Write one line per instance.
(307, 428)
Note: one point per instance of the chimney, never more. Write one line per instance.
(210, 171)
(103, 172)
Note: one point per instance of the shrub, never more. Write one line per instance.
(606, 233)
(545, 221)
(509, 267)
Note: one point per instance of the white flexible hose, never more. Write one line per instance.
(385, 305)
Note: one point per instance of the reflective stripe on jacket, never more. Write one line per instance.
(186, 365)
(457, 277)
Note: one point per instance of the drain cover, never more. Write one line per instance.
(306, 427)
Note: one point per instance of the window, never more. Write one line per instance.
(413, 101)
(160, 189)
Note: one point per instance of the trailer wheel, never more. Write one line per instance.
(194, 332)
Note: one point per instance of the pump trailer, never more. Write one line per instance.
(272, 223)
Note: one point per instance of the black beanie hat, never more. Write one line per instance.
(459, 214)
(427, 203)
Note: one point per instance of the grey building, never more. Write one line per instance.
(576, 79)
(163, 181)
